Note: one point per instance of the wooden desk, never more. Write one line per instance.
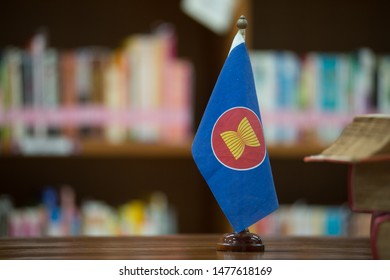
(190, 247)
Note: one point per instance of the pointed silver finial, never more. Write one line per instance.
(242, 24)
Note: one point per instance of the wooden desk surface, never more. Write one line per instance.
(189, 247)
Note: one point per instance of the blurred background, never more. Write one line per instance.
(99, 102)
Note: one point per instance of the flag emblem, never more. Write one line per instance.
(237, 140)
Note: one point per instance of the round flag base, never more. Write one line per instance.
(243, 241)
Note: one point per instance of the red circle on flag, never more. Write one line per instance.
(237, 139)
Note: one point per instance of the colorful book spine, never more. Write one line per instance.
(287, 75)
(14, 63)
(68, 90)
(264, 72)
(383, 101)
(114, 99)
(177, 100)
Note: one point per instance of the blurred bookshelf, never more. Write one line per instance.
(116, 165)
(96, 148)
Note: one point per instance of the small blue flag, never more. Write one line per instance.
(229, 147)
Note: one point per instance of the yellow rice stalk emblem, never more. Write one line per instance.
(236, 141)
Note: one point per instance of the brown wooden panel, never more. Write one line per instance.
(322, 25)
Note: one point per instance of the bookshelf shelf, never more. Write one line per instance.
(97, 148)
(147, 150)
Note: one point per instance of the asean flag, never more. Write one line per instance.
(229, 147)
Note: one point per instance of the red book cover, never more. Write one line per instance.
(380, 235)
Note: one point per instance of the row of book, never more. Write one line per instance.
(315, 95)
(301, 219)
(140, 91)
(58, 215)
